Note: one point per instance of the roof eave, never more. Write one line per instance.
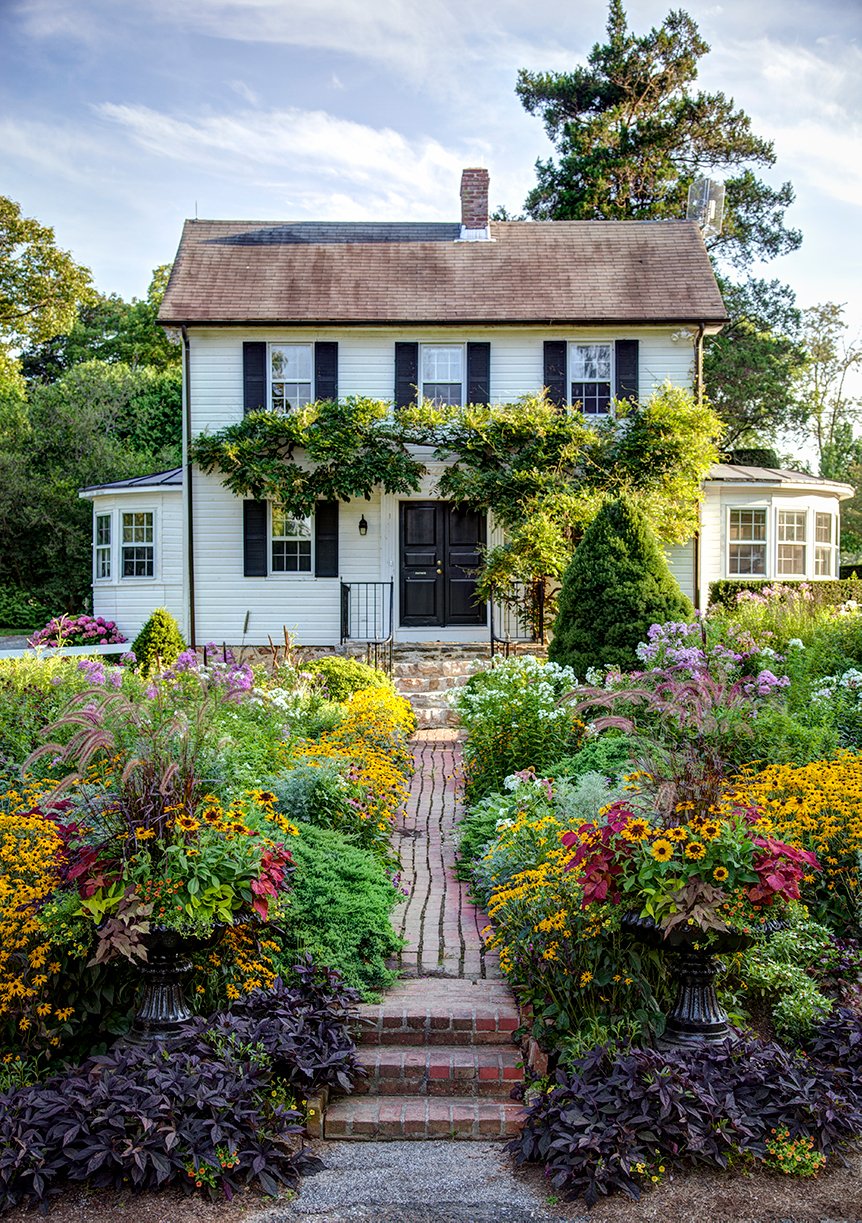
(842, 491)
(709, 325)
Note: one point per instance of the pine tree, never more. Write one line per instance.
(616, 586)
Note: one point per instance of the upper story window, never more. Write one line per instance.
(291, 543)
(442, 373)
(137, 544)
(824, 545)
(747, 543)
(291, 371)
(590, 376)
(791, 542)
(102, 541)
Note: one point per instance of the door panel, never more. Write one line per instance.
(422, 550)
(465, 532)
(440, 549)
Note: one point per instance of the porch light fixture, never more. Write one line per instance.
(363, 526)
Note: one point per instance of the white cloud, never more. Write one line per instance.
(367, 168)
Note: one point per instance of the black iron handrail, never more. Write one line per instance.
(366, 618)
(518, 617)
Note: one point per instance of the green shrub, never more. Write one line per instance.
(338, 909)
(514, 721)
(609, 754)
(617, 585)
(159, 643)
(781, 738)
(825, 593)
(19, 609)
(344, 676)
(322, 794)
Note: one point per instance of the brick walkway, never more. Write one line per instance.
(441, 926)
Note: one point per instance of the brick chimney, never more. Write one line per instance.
(474, 204)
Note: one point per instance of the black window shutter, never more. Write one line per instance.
(326, 539)
(406, 374)
(254, 541)
(626, 362)
(326, 369)
(555, 371)
(254, 376)
(479, 373)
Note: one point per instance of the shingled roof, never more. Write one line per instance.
(551, 272)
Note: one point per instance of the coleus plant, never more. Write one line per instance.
(718, 871)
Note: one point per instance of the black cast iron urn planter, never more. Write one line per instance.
(162, 1010)
(696, 1017)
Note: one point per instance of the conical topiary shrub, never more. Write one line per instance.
(617, 585)
(159, 643)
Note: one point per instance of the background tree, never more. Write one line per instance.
(751, 365)
(41, 286)
(96, 423)
(825, 408)
(631, 135)
(107, 328)
(616, 586)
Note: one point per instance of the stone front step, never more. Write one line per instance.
(441, 1011)
(408, 685)
(424, 1117)
(437, 1070)
(436, 717)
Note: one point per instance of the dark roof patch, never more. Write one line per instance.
(159, 479)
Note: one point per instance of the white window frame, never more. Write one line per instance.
(830, 548)
(804, 543)
(271, 381)
(570, 379)
(274, 539)
(103, 548)
(123, 512)
(735, 509)
(423, 347)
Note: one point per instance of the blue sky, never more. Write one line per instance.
(119, 117)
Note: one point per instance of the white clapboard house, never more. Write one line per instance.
(277, 315)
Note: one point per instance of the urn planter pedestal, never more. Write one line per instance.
(696, 1016)
(162, 1009)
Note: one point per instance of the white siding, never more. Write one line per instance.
(366, 360)
(680, 559)
(129, 601)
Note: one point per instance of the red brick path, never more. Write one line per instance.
(441, 926)
(438, 1048)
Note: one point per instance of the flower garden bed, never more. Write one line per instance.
(247, 816)
(710, 792)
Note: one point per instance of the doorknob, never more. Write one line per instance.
(439, 570)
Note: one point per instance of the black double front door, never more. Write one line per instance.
(440, 552)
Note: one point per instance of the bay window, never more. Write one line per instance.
(102, 544)
(824, 545)
(747, 543)
(791, 542)
(137, 544)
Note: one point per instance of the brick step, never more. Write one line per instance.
(441, 1070)
(427, 1117)
(441, 1012)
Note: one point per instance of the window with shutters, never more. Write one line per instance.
(746, 553)
(792, 542)
(102, 545)
(138, 544)
(591, 377)
(824, 545)
(291, 542)
(291, 376)
(441, 373)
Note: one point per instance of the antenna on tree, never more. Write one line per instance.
(706, 206)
